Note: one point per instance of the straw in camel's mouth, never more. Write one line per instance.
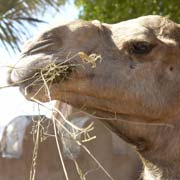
(54, 73)
(43, 67)
(40, 73)
(27, 69)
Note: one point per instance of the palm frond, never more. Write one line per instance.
(14, 14)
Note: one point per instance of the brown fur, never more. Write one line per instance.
(137, 93)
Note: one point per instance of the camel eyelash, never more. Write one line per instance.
(140, 47)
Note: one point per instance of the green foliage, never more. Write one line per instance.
(112, 11)
(14, 14)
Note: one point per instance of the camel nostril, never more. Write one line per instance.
(171, 68)
(132, 66)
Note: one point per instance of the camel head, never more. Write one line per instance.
(135, 77)
(138, 74)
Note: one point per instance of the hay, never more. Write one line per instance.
(91, 59)
(53, 72)
(36, 133)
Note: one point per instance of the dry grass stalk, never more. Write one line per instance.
(56, 70)
(79, 171)
(35, 150)
(91, 59)
(55, 130)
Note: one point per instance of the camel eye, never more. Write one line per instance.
(140, 48)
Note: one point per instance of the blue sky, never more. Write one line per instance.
(12, 103)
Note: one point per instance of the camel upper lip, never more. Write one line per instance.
(27, 67)
(35, 55)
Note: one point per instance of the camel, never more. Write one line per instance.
(17, 152)
(134, 87)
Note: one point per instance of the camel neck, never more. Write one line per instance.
(161, 159)
(157, 145)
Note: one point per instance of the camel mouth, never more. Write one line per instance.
(36, 69)
(39, 68)
(26, 68)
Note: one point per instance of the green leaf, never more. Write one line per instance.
(118, 10)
